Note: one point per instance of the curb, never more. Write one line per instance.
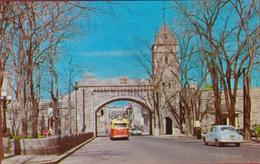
(64, 155)
(69, 152)
(252, 143)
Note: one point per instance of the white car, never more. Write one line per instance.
(223, 134)
(136, 131)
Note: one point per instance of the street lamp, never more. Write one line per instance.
(50, 117)
(76, 104)
(5, 100)
(129, 107)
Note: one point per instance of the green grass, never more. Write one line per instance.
(208, 87)
(257, 131)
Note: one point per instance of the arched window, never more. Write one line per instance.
(163, 84)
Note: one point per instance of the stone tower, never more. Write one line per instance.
(165, 55)
(166, 76)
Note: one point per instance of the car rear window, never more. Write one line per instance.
(228, 129)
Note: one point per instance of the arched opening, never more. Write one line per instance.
(131, 109)
(168, 126)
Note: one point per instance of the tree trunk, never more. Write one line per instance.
(1, 73)
(182, 121)
(25, 124)
(247, 108)
(214, 75)
(232, 111)
(31, 99)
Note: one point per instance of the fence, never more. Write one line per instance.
(44, 146)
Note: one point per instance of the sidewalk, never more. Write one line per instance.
(42, 159)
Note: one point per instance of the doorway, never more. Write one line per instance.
(168, 125)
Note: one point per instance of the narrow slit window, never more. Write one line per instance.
(166, 59)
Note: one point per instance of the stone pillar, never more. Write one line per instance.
(164, 127)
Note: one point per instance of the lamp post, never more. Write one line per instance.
(129, 107)
(5, 100)
(83, 112)
(76, 104)
(50, 116)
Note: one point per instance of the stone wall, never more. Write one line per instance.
(44, 146)
(209, 119)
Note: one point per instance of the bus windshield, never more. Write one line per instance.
(120, 125)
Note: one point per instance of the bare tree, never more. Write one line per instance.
(5, 45)
(68, 77)
(5, 31)
(154, 96)
(218, 37)
(248, 45)
(203, 22)
(39, 27)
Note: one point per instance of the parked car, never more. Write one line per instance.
(223, 134)
(136, 131)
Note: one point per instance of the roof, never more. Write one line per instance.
(222, 126)
(165, 36)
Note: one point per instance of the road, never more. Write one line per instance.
(163, 150)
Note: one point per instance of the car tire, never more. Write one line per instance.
(204, 141)
(237, 144)
(218, 144)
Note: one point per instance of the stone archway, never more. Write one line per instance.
(168, 125)
(99, 109)
(89, 99)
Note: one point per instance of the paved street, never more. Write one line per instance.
(163, 150)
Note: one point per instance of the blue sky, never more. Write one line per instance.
(106, 40)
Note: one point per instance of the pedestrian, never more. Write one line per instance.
(45, 132)
(50, 132)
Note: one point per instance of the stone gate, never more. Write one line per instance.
(91, 96)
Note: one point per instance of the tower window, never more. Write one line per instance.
(166, 59)
(165, 36)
